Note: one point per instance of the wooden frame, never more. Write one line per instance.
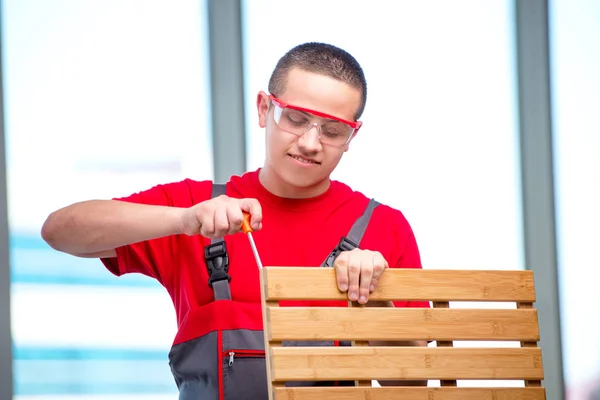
(441, 325)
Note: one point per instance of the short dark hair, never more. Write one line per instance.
(322, 59)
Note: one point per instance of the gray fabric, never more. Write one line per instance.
(251, 340)
(194, 390)
(360, 226)
(244, 375)
(245, 379)
(194, 365)
(355, 234)
(218, 189)
(222, 290)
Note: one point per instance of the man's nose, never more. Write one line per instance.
(309, 141)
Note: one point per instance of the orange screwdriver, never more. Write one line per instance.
(248, 231)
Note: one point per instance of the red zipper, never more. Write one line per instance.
(233, 353)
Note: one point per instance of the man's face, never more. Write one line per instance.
(302, 160)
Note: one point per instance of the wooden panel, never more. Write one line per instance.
(387, 393)
(307, 283)
(310, 323)
(405, 363)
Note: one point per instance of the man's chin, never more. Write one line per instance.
(305, 181)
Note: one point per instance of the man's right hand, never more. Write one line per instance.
(96, 228)
(220, 216)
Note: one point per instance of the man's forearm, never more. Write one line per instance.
(98, 225)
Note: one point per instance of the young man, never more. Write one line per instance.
(317, 93)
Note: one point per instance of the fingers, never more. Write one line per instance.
(354, 275)
(341, 270)
(366, 274)
(379, 265)
(234, 218)
(252, 207)
(223, 216)
(358, 272)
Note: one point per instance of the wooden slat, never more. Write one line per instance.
(407, 393)
(445, 343)
(404, 363)
(525, 343)
(313, 323)
(360, 343)
(306, 283)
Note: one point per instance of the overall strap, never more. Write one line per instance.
(354, 237)
(217, 259)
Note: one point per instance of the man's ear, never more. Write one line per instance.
(262, 106)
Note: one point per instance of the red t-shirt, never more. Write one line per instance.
(296, 232)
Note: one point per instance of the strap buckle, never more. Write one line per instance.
(217, 262)
(345, 244)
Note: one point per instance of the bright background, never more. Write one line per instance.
(107, 97)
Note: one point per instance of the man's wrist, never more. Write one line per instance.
(176, 218)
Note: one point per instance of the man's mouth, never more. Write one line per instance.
(304, 160)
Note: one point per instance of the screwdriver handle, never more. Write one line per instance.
(246, 223)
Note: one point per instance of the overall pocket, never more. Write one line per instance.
(244, 375)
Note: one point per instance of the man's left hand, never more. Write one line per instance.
(358, 272)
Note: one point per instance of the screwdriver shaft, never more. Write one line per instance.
(251, 239)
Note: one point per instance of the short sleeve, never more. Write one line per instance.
(153, 257)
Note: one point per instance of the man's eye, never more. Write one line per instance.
(331, 133)
(296, 119)
(332, 130)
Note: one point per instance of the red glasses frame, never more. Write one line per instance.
(353, 124)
